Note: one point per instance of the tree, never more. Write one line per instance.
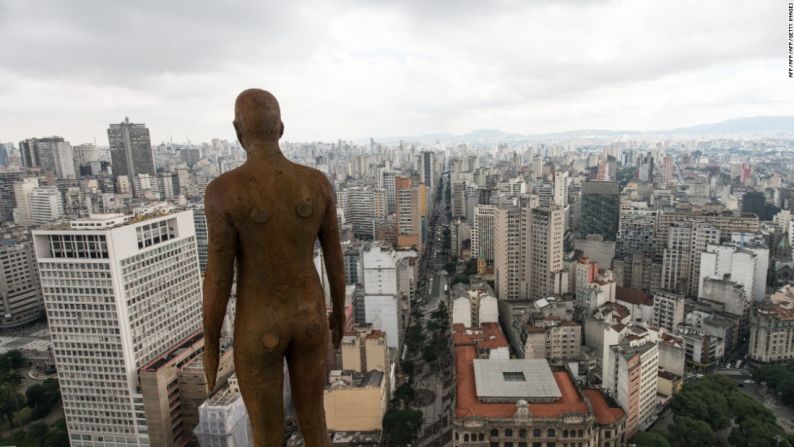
(38, 430)
(11, 360)
(408, 367)
(688, 432)
(405, 393)
(754, 432)
(12, 377)
(401, 426)
(651, 439)
(429, 354)
(10, 402)
(460, 278)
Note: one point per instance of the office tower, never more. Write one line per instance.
(8, 200)
(118, 292)
(600, 209)
(20, 292)
(51, 154)
(561, 183)
(681, 259)
(727, 222)
(482, 235)
(85, 154)
(427, 173)
(5, 151)
(386, 180)
(223, 419)
(666, 171)
(174, 386)
(746, 265)
(23, 213)
(630, 377)
(772, 328)
(363, 206)
(545, 251)
(509, 267)
(408, 220)
(381, 301)
(131, 151)
(202, 237)
(458, 199)
(668, 309)
(636, 246)
(46, 205)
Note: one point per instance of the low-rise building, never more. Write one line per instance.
(522, 402)
(772, 328)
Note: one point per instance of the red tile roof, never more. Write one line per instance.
(487, 336)
(633, 296)
(604, 414)
(469, 405)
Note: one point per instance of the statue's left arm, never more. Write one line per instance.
(334, 264)
(218, 277)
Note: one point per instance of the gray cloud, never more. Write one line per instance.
(361, 68)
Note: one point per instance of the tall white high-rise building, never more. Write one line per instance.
(363, 206)
(46, 205)
(482, 236)
(23, 213)
(386, 179)
(381, 300)
(545, 250)
(745, 265)
(509, 266)
(118, 292)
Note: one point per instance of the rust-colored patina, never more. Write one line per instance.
(267, 214)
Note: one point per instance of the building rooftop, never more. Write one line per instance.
(604, 413)
(633, 296)
(513, 379)
(487, 336)
(469, 405)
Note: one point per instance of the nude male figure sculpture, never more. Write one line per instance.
(267, 214)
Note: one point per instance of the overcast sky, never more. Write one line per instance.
(358, 68)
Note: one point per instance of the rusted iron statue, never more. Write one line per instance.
(267, 214)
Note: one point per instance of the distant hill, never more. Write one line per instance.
(757, 125)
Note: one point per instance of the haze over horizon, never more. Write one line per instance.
(386, 69)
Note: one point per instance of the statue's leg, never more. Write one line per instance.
(259, 364)
(306, 359)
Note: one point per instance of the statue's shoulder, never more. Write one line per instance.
(223, 186)
(316, 177)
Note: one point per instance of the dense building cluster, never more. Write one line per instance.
(585, 280)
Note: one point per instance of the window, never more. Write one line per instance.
(552, 433)
(513, 376)
(509, 433)
(522, 433)
(536, 432)
(466, 437)
(495, 432)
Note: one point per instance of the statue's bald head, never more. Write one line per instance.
(257, 116)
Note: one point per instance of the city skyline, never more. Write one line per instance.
(389, 70)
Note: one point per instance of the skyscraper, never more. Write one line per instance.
(408, 219)
(51, 154)
(20, 294)
(118, 293)
(8, 200)
(131, 151)
(545, 250)
(600, 209)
